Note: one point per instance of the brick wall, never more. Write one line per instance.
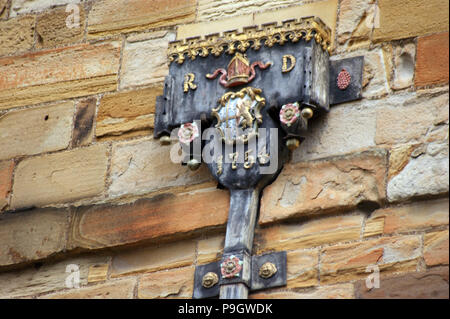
(82, 182)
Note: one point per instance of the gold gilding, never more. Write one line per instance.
(292, 61)
(210, 279)
(189, 82)
(253, 37)
(267, 270)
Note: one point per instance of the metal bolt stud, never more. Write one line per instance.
(164, 140)
(307, 113)
(193, 164)
(292, 144)
(210, 280)
(267, 270)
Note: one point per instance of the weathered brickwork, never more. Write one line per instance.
(83, 182)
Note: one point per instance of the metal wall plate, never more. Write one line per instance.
(201, 292)
(354, 67)
(278, 279)
(256, 282)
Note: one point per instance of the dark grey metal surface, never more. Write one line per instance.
(307, 82)
(201, 292)
(230, 288)
(241, 220)
(279, 259)
(355, 67)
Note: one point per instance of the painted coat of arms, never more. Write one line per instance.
(239, 113)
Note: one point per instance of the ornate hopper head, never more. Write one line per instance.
(244, 128)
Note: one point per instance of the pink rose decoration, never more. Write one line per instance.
(289, 114)
(188, 132)
(231, 267)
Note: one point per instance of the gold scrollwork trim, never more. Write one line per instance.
(269, 34)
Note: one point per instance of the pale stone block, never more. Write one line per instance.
(427, 174)
(328, 230)
(36, 130)
(325, 185)
(144, 165)
(60, 177)
(16, 35)
(173, 283)
(116, 289)
(403, 19)
(410, 118)
(26, 6)
(345, 129)
(302, 268)
(342, 291)
(120, 16)
(58, 74)
(154, 258)
(49, 277)
(145, 62)
(32, 235)
(210, 249)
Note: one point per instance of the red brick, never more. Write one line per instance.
(148, 219)
(432, 66)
